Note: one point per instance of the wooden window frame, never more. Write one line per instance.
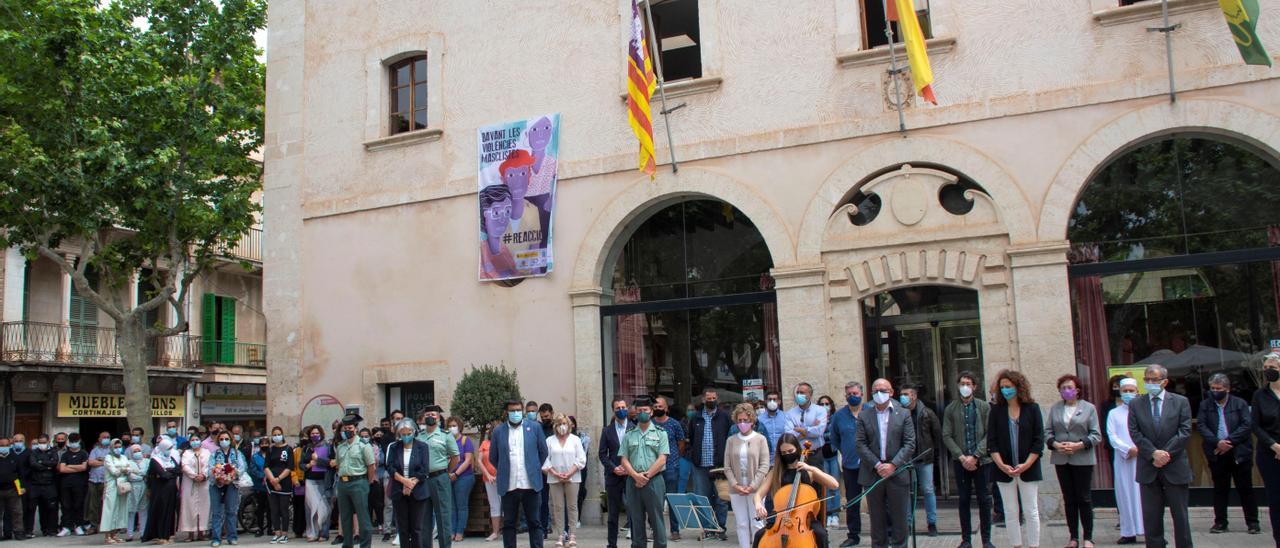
(393, 88)
(924, 14)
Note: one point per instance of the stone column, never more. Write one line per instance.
(802, 329)
(15, 268)
(588, 382)
(1045, 349)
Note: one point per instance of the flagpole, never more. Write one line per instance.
(662, 87)
(1167, 29)
(893, 70)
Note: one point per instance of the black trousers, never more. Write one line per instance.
(1155, 497)
(377, 501)
(1269, 468)
(73, 497)
(300, 515)
(280, 511)
(28, 511)
(262, 511)
(615, 494)
(1226, 470)
(411, 514)
(11, 505)
(889, 508)
(531, 502)
(44, 498)
(1077, 498)
(852, 489)
(978, 484)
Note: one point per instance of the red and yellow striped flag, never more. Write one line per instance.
(904, 12)
(640, 85)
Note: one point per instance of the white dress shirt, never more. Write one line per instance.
(515, 454)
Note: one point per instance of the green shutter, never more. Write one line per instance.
(83, 318)
(209, 328)
(227, 324)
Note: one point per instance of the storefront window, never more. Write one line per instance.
(693, 307)
(1175, 260)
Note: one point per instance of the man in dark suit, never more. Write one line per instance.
(517, 451)
(408, 488)
(1226, 426)
(615, 475)
(1160, 425)
(886, 441)
(708, 432)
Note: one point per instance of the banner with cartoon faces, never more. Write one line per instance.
(517, 189)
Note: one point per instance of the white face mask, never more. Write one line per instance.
(881, 398)
(966, 390)
(563, 430)
(453, 431)
(772, 405)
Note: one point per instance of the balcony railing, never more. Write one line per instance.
(36, 343)
(249, 248)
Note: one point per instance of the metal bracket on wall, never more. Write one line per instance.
(1168, 29)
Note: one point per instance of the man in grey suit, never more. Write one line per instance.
(1160, 425)
(886, 437)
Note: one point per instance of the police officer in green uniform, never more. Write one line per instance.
(442, 456)
(644, 457)
(357, 469)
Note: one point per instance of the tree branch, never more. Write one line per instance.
(79, 278)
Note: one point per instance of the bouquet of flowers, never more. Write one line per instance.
(224, 474)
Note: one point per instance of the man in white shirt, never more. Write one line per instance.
(517, 452)
(808, 422)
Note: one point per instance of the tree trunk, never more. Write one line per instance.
(131, 341)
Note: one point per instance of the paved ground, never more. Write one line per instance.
(1054, 535)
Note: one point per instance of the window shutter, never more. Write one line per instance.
(209, 328)
(227, 324)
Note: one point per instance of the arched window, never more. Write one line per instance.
(693, 307)
(1174, 261)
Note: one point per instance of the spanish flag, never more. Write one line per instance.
(904, 12)
(1242, 19)
(640, 85)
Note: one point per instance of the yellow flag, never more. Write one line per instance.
(917, 56)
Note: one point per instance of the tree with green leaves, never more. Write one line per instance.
(482, 394)
(126, 134)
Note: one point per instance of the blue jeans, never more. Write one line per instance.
(462, 501)
(670, 476)
(224, 504)
(702, 485)
(832, 467)
(682, 482)
(924, 486)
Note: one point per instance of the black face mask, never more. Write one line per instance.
(1219, 395)
(1115, 393)
(710, 405)
(62, 444)
(789, 459)
(659, 413)
(429, 421)
(1271, 375)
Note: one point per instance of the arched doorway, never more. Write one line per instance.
(693, 307)
(1175, 260)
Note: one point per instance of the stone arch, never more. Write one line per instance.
(1012, 205)
(641, 198)
(1214, 116)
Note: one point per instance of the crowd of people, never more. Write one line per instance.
(533, 462)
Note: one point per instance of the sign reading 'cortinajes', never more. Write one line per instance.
(112, 405)
(518, 173)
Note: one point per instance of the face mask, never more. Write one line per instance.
(1008, 392)
(19, 446)
(1127, 396)
(788, 459)
(430, 421)
(563, 430)
(1271, 375)
(453, 431)
(104, 442)
(514, 417)
(62, 443)
(744, 427)
(364, 440)
(881, 398)
(533, 416)
(1154, 388)
(173, 432)
(659, 413)
(41, 447)
(904, 400)
(802, 399)
(277, 438)
(406, 439)
(642, 417)
(316, 437)
(73, 445)
(710, 405)
(1219, 394)
(1068, 394)
(691, 413)
(118, 451)
(346, 435)
(237, 437)
(225, 444)
(853, 401)
(423, 426)
(1115, 392)
(4, 451)
(137, 455)
(621, 414)
(966, 391)
(771, 405)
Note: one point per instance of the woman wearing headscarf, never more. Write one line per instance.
(193, 518)
(137, 508)
(1124, 457)
(162, 486)
(115, 504)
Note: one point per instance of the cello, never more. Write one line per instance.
(791, 527)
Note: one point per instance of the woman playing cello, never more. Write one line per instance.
(782, 477)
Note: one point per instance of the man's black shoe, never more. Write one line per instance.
(1218, 528)
(965, 544)
(722, 536)
(933, 530)
(987, 544)
(336, 541)
(851, 541)
(1127, 540)
(1253, 529)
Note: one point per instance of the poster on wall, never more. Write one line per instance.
(517, 188)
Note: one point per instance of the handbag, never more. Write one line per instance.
(721, 482)
(123, 487)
